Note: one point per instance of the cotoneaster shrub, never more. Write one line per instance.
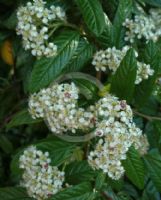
(80, 100)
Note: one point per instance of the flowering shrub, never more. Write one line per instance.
(80, 100)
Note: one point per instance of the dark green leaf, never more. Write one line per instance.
(150, 192)
(100, 180)
(47, 69)
(109, 193)
(131, 190)
(153, 2)
(124, 11)
(153, 164)
(153, 134)
(82, 191)
(11, 21)
(77, 172)
(144, 89)
(93, 15)
(14, 193)
(21, 118)
(5, 144)
(82, 55)
(123, 81)
(134, 168)
(113, 34)
(117, 185)
(88, 89)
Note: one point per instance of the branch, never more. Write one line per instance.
(98, 75)
(150, 118)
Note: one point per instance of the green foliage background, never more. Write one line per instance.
(27, 75)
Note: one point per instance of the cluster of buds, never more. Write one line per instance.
(39, 178)
(36, 22)
(58, 105)
(111, 59)
(118, 133)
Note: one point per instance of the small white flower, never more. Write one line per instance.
(118, 133)
(40, 178)
(141, 26)
(112, 57)
(60, 110)
(34, 22)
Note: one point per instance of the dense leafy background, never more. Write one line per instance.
(100, 21)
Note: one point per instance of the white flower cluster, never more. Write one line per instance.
(144, 26)
(155, 14)
(143, 72)
(141, 27)
(35, 23)
(58, 105)
(109, 118)
(40, 178)
(118, 132)
(112, 57)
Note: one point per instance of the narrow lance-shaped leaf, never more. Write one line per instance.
(47, 69)
(93, 15)
(123, 81)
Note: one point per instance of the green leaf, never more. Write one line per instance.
(144, 90)
(59, 151)
(117, 185)
(14, 193)
(77, 172)
(150, 192)
(5, 144)
(81, 56)
(93, 15)
(106, 39)
(153, 133)
(134, 168)
(11, 21)
(47, 69)
(110, 194)
(21, 118)
(123, 81)
(131, 190)
(124, 11)
(153, 164)
(88, 89)
(153, 2)
(82, 191)
(100, 180)
(113, 34)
